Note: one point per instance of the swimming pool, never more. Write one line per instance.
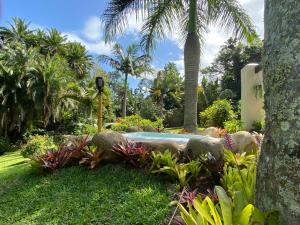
(152, 136)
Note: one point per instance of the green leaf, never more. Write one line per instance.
(226, 205)
(246, 215)
(203, 211)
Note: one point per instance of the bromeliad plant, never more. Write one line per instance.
(134, 153)
(167, 163)
(225, 212)
(92, 158)
(242, 160)
(55, 159)
(241, 181)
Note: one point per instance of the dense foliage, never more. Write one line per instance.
(44, 80)
(4, 145)
(218, 113)
(123, 124)
(227, 66)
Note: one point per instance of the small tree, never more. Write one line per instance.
(129, 63)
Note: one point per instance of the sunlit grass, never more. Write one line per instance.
(112, 194)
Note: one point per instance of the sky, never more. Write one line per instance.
(80, 21)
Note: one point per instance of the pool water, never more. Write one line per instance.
(152, 136)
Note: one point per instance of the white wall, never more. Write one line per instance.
(251, 105)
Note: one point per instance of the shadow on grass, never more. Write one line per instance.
(113, 194)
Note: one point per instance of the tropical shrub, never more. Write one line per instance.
(135, 154)
(38, 145)
(54, 159)
(241, 160)
(225, 212)
(167, 163)
(173, 117)
(218, 113)
(258, 126)
(160, 159)
(135, 120)
(240, 181)
(233, 126)
(92, 158)
(4, 145)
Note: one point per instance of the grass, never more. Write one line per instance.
(177, 130)
(112, 194)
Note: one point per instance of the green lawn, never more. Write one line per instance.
(112, 194)
(177, 130)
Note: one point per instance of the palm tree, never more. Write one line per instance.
(79, 60)
(277, 185)
(17, 64)
(17, 32)
(129, 63)
(54, 42)
(194, 16)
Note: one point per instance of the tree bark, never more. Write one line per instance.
(125, 96)
(191, 68)
(278, 169)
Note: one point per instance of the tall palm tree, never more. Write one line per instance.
(128, 63)
(54, 42)
(280, 155)
(194, 16)
(17, 64)
(17, 32)
(79, 60)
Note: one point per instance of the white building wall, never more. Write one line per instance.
(251, 105)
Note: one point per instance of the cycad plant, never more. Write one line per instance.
(160, 17)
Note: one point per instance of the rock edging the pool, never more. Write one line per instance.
(242, 141)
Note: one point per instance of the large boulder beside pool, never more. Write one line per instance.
(133, 129)
(106, 140)
(243, 141)
(149, 129)
(161, 146)
(198, 147)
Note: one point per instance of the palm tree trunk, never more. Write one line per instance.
(125, 96)
(278, 177)
(191, 69)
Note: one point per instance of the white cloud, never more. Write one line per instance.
(91, 36)
(98, 47)
(93, 29)
(179, 64)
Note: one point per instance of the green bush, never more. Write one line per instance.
(218, 113)
(37, 145)
(258, 126)
(85, 128)
(233, 126)
(4, 145)
(173, 118)
(135, 120)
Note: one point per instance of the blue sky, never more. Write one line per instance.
(79, 20)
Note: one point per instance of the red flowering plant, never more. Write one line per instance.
(134, 153)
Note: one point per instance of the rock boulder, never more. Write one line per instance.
(197, 147)
(243, 141)
(106, 140)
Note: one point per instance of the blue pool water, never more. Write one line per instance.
(152, 136)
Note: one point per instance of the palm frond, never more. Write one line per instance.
(110, 61)
(230, 15)
(115, 17)
(160, 21)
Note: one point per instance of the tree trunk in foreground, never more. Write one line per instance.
(278, 170)
(125, 97)
(191, 69)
